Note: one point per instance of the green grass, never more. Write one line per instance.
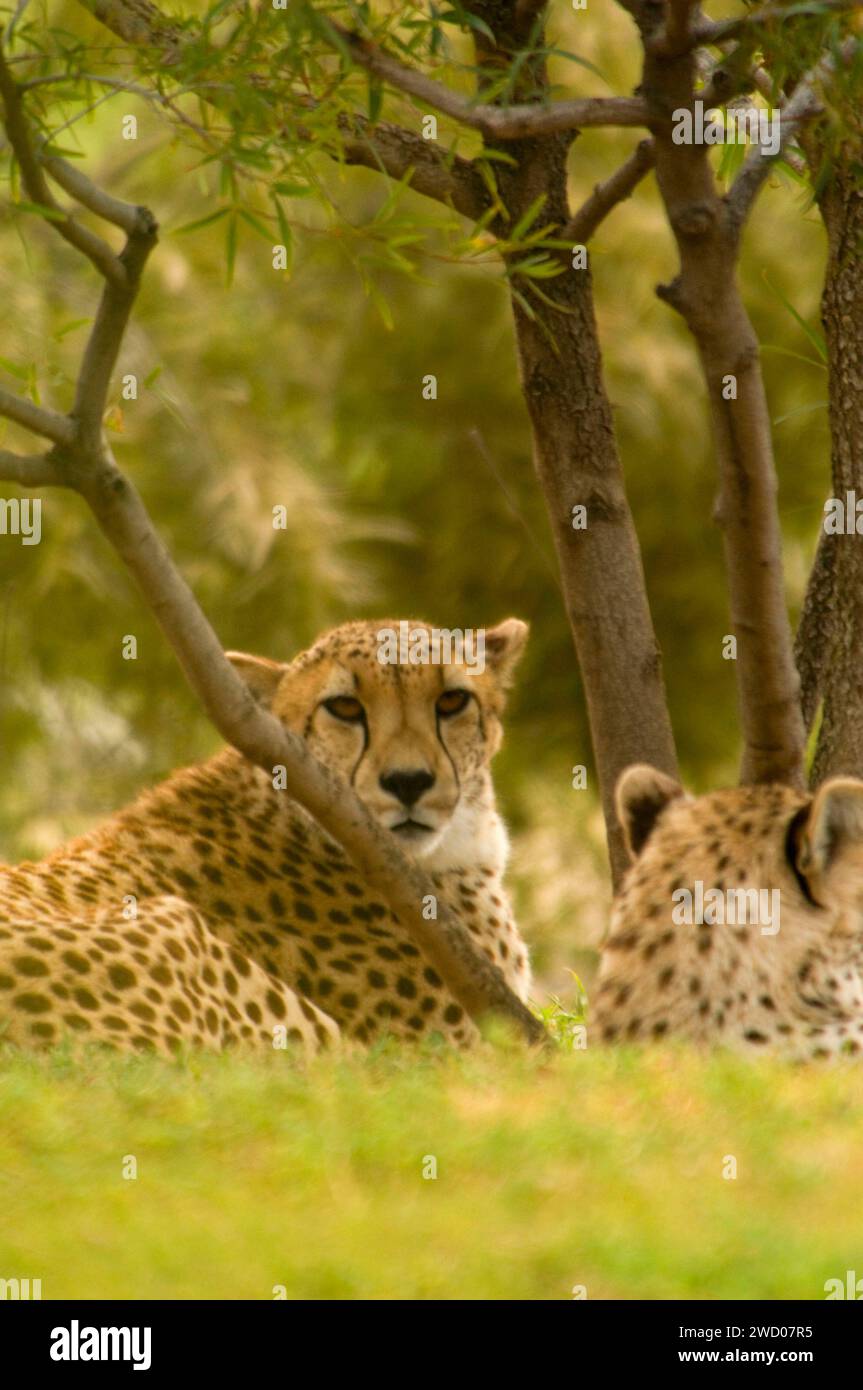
(583, 1168)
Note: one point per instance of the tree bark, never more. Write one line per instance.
(577, 462)
(813, 640)
(830, 637)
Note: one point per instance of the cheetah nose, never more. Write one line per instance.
(407, 786)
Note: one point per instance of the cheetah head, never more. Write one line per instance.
(414, 739)
(810, 849)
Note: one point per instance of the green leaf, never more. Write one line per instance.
(528, 217)
(375, 99)
(231, 245)
(462, 18)
(539, 268)
(256, 224)
(227, 180)
(782, 166)
(730, 160)
(798, 356)
(61, 152)
(201, 222)
(69, 328)
(574, 58)
(800, 410)
(474, 21)
(321, 24)
(21, 373)
(293, 190)
(381, 304)
(255, 159)
(499, 155)
(526, 307)
(49, 214)
(815, 337)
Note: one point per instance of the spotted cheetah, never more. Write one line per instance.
(740, 921)
(214, 910)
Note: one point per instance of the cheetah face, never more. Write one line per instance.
(413, 740)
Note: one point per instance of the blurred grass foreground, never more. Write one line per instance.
(430, 1176)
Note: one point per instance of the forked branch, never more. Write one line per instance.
(706, 293)
(803, 105)
(32, 172)
(613, 190)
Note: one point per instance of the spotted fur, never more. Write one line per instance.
(214, 910)
(797, 990)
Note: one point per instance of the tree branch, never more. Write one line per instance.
(732, 76)
(493, 122)
(675, 37)
(716, 31)
(804, 103)
(138, 22)
(613, 190)
(29, 470)
(78, 186)
(106, 335)
(392, 150)
(92, 246)
(46, 423)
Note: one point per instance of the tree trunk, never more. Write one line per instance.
(833, 612)
(577, 463)
(705, 292)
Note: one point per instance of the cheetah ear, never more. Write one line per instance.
(261, 675)
(834, 821)
(642, 794)
(504, 645)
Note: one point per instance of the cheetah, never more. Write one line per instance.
(215, 911)
(740, 921)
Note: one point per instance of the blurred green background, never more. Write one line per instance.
(302, 389)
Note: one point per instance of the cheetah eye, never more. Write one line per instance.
(451, 702)
(345, 707)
